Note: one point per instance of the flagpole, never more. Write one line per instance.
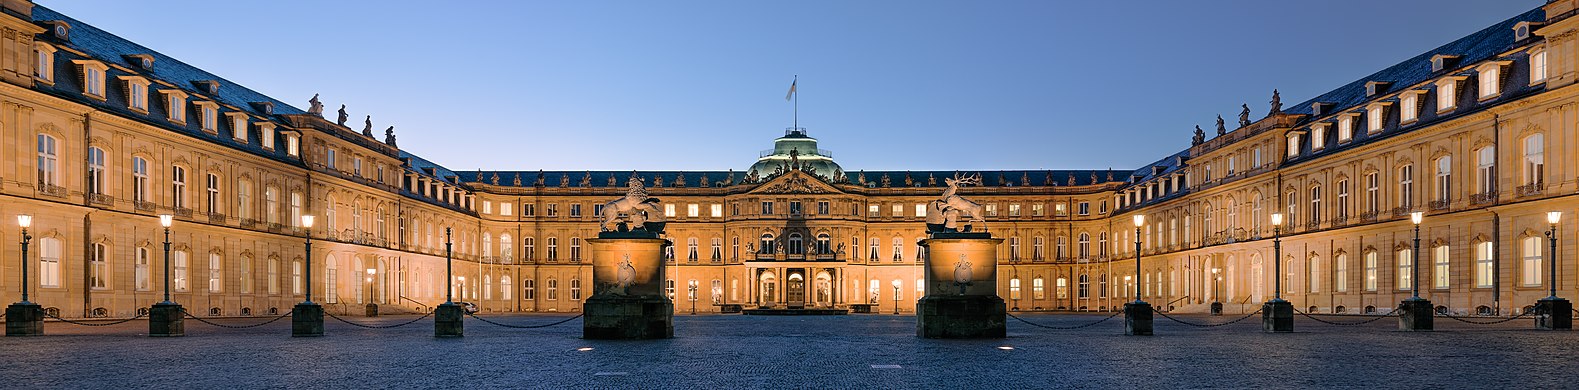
(795, 123)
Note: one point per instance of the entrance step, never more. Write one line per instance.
(797, 312)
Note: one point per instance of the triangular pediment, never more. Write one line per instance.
(795, 182)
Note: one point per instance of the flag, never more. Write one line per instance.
(791, 93)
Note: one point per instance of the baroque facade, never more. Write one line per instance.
(103, 135)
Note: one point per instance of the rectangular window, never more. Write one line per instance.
(95, 171)
(767, 207)
(899, 210)
(693, 210)
(1485, 269)
(1440, 278)
(668, 210)
(1370, 271)
(331, 158)
(871, 211)
(1486, 170)
(1408, 107)
(717, 210)
(1372, 192)
(1406, 263)
(1538, 67)
(1490, 82)
(178, 187)
(176, 104)
(1318, 140)
(1343, 201)
(921, 210)
(210, 117)
(238, 126)
(1530, 269)
(1340, 273)
(487, 207)
(293, 146)
(1444, 179)
(1084, 208)
(1534, 160)
(553, 210)
(98, 268)
(1345, 128)
(506, 209)
(794, 207)
(1406, 186)
(1038, 210)
(180, 270)
(93, 81)
(1293, 145)
(137, 96)
(215, 281)
(266, 135)
(45, 68)
(991, 209)
(575, 210)
(824, 208)
(1014, 210)
(1375, 117)
(1447, 95)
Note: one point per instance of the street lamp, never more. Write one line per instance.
(25, 221)
(896, 296)
(1414, 257)
(692, 297)
(1552, 217)
(449, 269)
(1217, 283)
(1140, 220)
(307, 223)
(1277, 257)
(307, 317)
(166, 220)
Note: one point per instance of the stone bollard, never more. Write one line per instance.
(1414, 315)
(1552, 313)
(24, 319)
(307, 320)
(1277, 316)
(165, 319)
(449, 320)
(372, 310)
(1137, 318)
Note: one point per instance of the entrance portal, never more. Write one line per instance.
(795, 289)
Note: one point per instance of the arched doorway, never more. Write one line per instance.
(824, 289)
(795, 289)
(767, 284)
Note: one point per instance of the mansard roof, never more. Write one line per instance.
(990, 178)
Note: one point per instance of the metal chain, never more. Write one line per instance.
(1455, 318)
(200, 319)
(524, 326)
(117, 322)
(1378, 317)
(1115, 314)
(331, 315)
(1165, 315)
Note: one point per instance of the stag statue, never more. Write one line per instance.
(633, 211)
(946, 212)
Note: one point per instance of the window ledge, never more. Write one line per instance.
(99, 98)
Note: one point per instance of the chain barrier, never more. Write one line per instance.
(337, 318)
(523, 326)
(202, 320)
(1456, 318)
(1377, 317)
(1165, 315)
(116, 322)
(1115, 314)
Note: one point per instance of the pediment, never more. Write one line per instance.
(795, 182)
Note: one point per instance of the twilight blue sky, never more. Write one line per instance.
(700, 84)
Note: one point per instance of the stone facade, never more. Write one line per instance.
(807, 233)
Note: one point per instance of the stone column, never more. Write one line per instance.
(628, 299)
(961, 276)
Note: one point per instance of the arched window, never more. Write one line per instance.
(506, 247)
(1037, 289)
(528, 248)
(143, 271)
(181, 268)
(505, 288)
(1083, 287)
(553, 248)
(274, 276)
(575, 289)
(1313, 267)
(1530, 268)
(575, 249)
(528, 289)
(899, 248)
(330, 280)
(553, 289)
(824, 244)
(95, 171)
(487, 287)
(1084, 247)
(766, 246)
(1439, 270)
(1406, 262)
(487, 245)
(1014, 288)
(1037, 244)
(796, 246)
(690, 248)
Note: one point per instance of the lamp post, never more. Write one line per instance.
(896, 296)
(307, 317)
(1217, 282)
(1551, 313)
(448, 318)
(1137, 314)
(165, 319)
(26, 221)
(1014, 265)
(24, 318)
(1416, 311)
(1277, 315)
(372, 300)
(692, 297)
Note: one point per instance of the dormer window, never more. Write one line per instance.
(1442, 62)
(92, 77)
(1345, 127)
(1372, 88)
(293, 145)
(1409, 106)
(1490, 78)
(1447, 93)
(175, 103)
(1375, 117)
(238, 126)
(1319, 108)
(136, 93)
(60, 29)
(1522, 30)
(1318, 136)
(209, 115)
(1538, 66)
(45, 68)
(265, 108)
(1293, 144)
(266, 135)
(210, 87)
(144, 61)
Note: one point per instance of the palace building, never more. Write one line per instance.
(101, 135)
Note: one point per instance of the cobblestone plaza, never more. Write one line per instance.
(855, 351)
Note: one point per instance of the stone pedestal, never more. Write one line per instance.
(307, 320)
(372, 310)
(1552, 313)
(449, 320)
(1217, 308)
(1277, 315)
(24, 319)
(165, 319)
(627, 299)
(961, 301)
(1414, 314)
(960, 317)
(1137, 318)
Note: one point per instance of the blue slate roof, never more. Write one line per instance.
(717, 178)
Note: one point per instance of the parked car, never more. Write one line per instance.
(471, 308)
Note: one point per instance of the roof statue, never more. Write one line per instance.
(495, 179)
(838, 176)
(389, 136)
(367, 127)
(752, 176)
(539, 181)
(860, 177)
(1221, 128)
(729, 181)
(314, 106)
(1025, 179)
(341, 119)
(517, 181)
(1200, 136)
(657, 181)
(886, 180)
(1048, 179)
(944, 214)
(586, 179)
(909, 181)
(632, 212)
(1277, 103)
(564, 181)
(1244, 115)
(679, 180)
(611, 180)
(704, 182)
